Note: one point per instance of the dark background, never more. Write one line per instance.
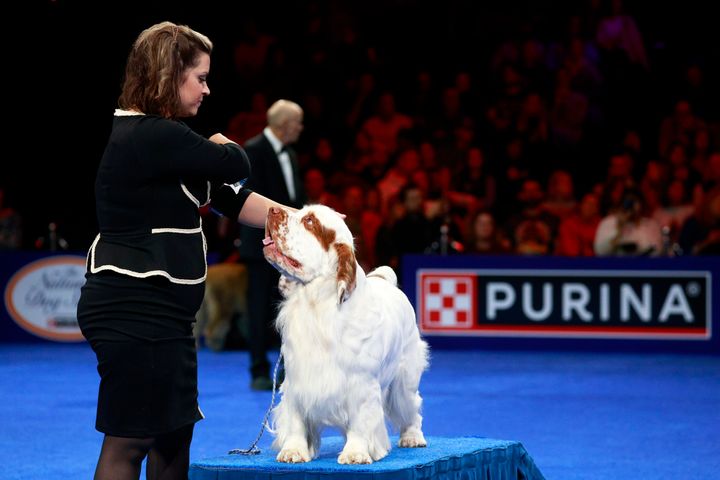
(65, 61)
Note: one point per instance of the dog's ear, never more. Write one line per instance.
(346, 270)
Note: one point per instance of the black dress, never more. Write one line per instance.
(147, 267)
(141, 332)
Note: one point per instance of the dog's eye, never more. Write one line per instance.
(308, 220)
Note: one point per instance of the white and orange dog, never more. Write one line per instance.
(352, 350)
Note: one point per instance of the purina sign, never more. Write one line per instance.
(639, 304)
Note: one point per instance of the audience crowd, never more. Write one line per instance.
(580, 141)
(577, 133)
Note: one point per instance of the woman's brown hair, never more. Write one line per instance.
(156, 65)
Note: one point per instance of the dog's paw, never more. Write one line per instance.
(292, 455)
(412, 440)
(354, 458)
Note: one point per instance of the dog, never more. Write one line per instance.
(352, 350)
(225, 298)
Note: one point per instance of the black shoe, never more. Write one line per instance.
(261, 383)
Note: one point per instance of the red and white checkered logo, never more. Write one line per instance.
(448, 301)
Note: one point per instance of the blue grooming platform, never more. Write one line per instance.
(471, 458)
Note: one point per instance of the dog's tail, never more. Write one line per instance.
(384, 272)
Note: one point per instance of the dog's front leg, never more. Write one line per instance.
(367, 437)
(291, 436)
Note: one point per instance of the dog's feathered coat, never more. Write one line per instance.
(352, 350)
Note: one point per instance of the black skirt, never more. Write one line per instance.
(141, 333)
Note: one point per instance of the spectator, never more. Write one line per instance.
(675, 209)
(628, 231)
(700, 233)
(316, 192)
(475, 179)
(532, 230)
(576, 235)
(384, 126)
(398, 176)
(560, 198)
(412, 232)
(485, 238)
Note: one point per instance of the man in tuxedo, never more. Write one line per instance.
(274, 174)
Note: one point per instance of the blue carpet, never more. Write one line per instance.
(584, 416)
(468, 458)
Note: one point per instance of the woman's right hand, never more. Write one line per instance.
(220, 139)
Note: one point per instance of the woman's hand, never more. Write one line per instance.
(220, 139)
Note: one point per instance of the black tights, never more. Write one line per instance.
(168, 457)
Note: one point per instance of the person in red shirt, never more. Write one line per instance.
(577, 232)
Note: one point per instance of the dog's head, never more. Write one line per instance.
(309, 244)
